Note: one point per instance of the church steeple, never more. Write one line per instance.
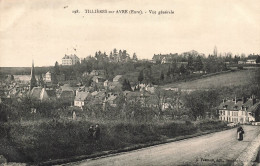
(33, 82)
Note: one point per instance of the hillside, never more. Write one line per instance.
(242, 77)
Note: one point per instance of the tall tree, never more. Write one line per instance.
(111, 57)
(162, 76)
(54, 78)
(182, 69)
(198, 64)
(135, 57)
(195, 104)
(124, 54)
(169, 72)
(141, 76)
(258, 59)
(115, 51)
(174, 69)
(215, 51)
(190, 65)
(126, 85)
(56, 68)
(40, 81)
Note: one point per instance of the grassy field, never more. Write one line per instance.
(236, 78)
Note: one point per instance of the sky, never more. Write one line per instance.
(46, 30)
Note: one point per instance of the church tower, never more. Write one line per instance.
(33, 82)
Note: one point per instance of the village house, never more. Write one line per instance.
(50, 77)
(67, 96)
(82, 89)
(98, 79)
(106, 83)
(164, 60)
(98, 96)
(138, 96)
(176, 89)
(241, 62)
(237, 110)
(97, 72)
(43, 94)
(251, 61)
(115, 85)
(144, 87)
(111, 100)
(117, 78)
(167, 58)
(255, 109)
(80, 99)
(67, 87)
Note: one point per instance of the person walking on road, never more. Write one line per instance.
(240, 133)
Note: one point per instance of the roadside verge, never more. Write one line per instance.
(127, 149)
(248, 157)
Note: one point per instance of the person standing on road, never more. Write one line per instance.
(240, 133)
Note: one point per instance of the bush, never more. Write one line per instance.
(211, 125)
(62, 139)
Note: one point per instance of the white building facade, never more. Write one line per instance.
(237, 111)
(69, 60)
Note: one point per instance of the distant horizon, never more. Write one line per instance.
(59, 61)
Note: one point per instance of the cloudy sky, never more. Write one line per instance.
(45, 30)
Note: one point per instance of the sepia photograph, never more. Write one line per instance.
(130, 82)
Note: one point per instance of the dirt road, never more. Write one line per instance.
(219, 148)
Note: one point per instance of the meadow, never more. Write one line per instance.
(235, 78)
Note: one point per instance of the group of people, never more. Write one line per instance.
(94, 132)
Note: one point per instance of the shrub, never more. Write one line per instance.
(62, 139)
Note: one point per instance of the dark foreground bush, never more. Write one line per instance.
(211, 125)
(59, 139)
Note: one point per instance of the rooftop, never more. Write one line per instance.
(237, 105)
(81, 96)
(72, 56)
